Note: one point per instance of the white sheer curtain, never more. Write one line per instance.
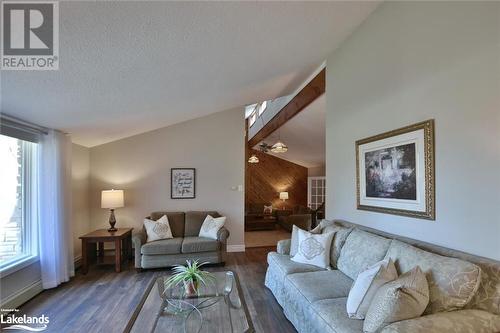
(56, 239)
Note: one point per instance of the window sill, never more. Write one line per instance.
(17, 265)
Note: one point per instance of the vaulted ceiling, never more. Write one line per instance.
(131, 67)
(305, 136)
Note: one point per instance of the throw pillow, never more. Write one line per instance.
(211, 226)
(404, 298)
(157, 230)
(366, 285)
(314, 249)
(294, 243)
(268, 209)
(341, 234)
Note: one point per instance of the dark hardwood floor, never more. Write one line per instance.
(103, 301)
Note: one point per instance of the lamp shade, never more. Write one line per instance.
(253, 159)
(112, 199)
(279, 147)
(284, 195)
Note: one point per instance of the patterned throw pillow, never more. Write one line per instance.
(404, 298)
(294, 243)
(314, 249)
(366, 285)
(268, 209)
(159, 229)
(211, 226)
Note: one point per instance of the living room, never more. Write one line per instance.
(131, 115)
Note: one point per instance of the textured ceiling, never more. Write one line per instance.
(305, 136)
(131, 67)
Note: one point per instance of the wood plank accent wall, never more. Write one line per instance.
(264, 181)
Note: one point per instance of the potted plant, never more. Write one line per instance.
(191, 276)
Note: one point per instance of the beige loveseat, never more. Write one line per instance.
(185, 245)
(464, 289)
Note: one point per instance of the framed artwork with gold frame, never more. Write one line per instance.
(395, 172)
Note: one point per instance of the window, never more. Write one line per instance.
(316, 191)
(18, 241)
(262, 107)
(253, 118)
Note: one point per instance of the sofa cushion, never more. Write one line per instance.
(361, 250)
(287, 266)
(163, 246)
(280, 266)
(339, 239)
(175, 220)
(333, 313)
(320, 285)
(199, 244)
(452, 282)
(194, 220)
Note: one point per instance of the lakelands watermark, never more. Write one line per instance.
(24, 323)
(30, 35)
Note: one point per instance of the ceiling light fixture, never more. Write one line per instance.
(279, 147)
(253, 159)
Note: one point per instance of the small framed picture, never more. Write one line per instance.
(182, 183)
(395, 172)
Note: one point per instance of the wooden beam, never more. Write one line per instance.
(314, 89)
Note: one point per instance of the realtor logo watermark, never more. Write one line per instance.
(30, 35)
(10, 321)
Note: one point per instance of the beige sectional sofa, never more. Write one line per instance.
(185, 245)
(464, 289)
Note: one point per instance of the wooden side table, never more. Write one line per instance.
(122, 238)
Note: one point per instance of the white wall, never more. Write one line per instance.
(80, 174)
(412, 61)
(319, 171)
(140, 165)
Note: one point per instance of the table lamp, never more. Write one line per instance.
(112, 199)
(284, 196)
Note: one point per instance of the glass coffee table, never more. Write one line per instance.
(217, 307)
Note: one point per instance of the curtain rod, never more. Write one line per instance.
(23, 124)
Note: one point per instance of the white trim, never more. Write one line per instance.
(22, 296)
(17, 265)
(236, 248)
(309, 188)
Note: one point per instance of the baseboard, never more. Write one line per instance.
(22, 296)
(236, 248)
(25, 294)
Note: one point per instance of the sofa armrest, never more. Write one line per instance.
(283, 246)
(223, 235)
(138, 239)
(462, 321)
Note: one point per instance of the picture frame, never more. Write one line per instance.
(395, 172)
(182, 183)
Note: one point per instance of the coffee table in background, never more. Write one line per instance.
(264, 222)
